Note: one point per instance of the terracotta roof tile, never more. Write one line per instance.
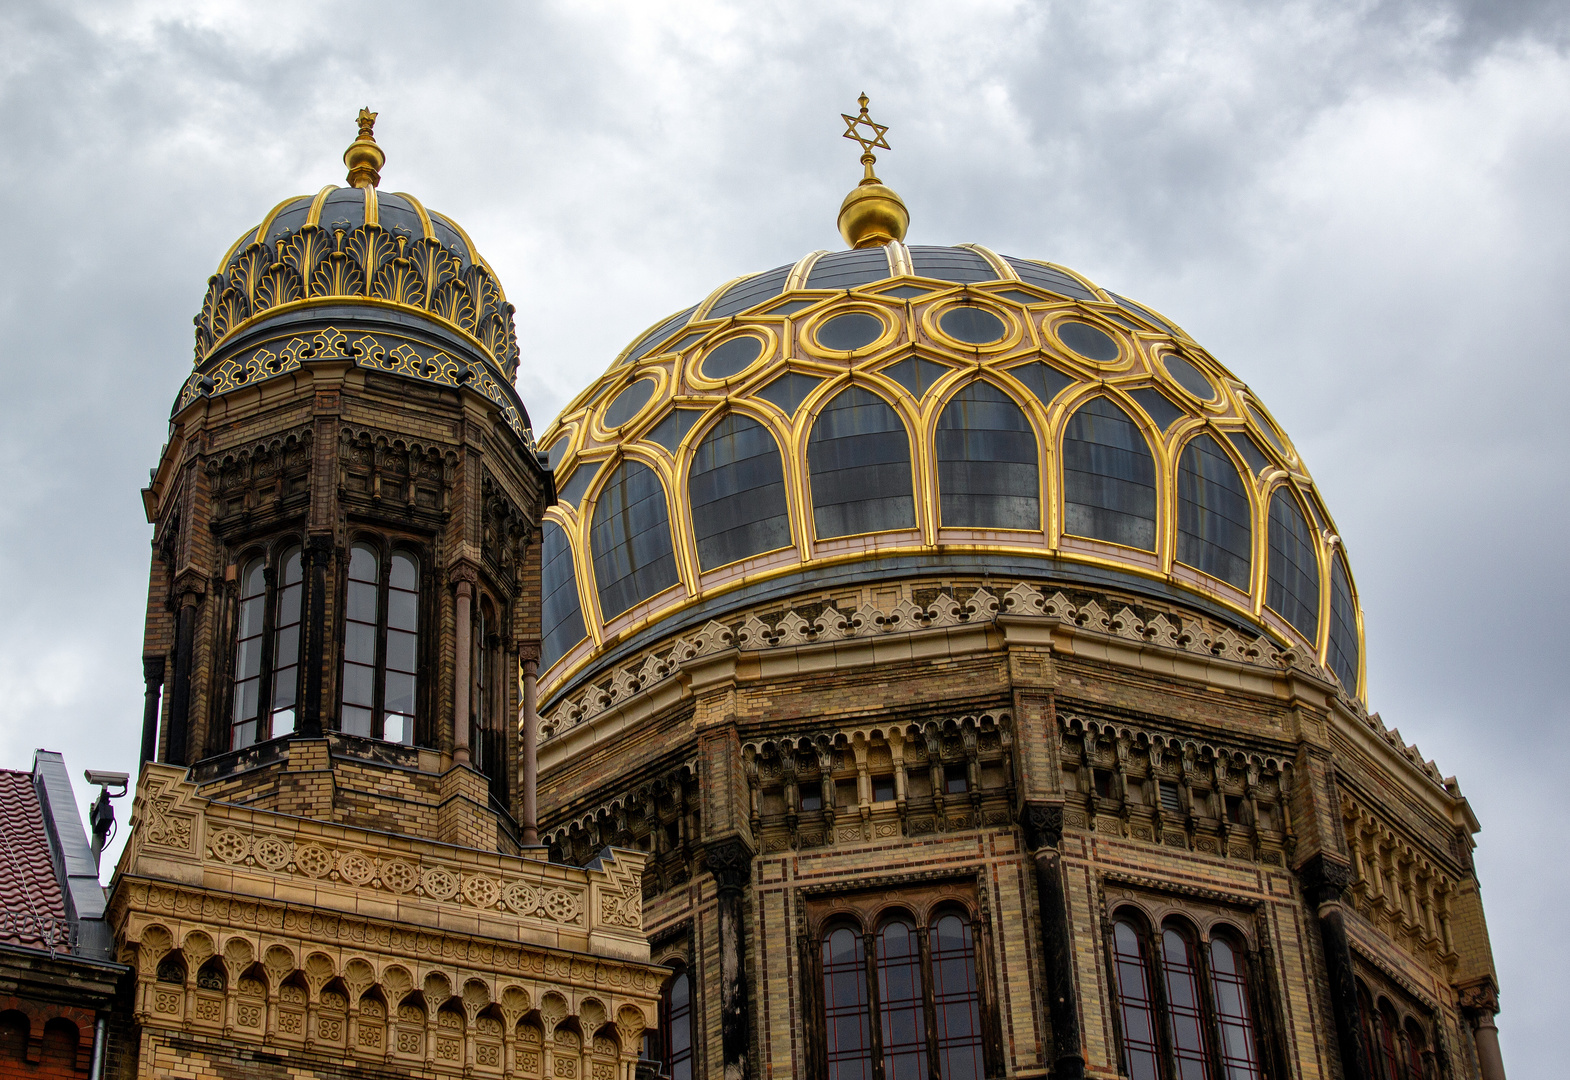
(32, 909)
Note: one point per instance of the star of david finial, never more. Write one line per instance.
(867, 133)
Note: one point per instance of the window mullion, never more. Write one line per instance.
(264, 689)
(929, 1007)
(379, 683)
(1212, 1017)
(1156, 950)
(869, 953)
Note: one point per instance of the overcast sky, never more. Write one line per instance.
(1359, 208)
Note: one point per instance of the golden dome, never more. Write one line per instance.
(901, 410)
(353, 259)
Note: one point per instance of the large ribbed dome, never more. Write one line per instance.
(900, 410)
(289, 287)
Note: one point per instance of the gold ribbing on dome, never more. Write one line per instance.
(364, 157)
(873, 213)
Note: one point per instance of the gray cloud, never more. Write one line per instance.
(1358, 208)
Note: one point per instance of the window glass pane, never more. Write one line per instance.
(1135, 1008)
(248, 653)
(846, 333)
(357, 683)
(959, 265)
(1157, 406)
(916, 374)
(359, 652)
(1293, 588)
(1183, 1015)
(571, 488)
(1229, 985)
(1343, 626)
(737, 489)
(401, 647)
(900, 1003)
(751, 292)
(1257, 461)
(405, 572)
(733, 357)
(956, 1000)
(669, 431)
(1189, 377)
(362, 601)
(1214, 530)
(789, 391)
(627, 403)
(399, 693)
(987, 462)
(1045, 381)
(356, 721)
(1091, 342)
(561, 613)
(678, 1032)
(972, 325)
(1109, 477)
(403, 608)
(631, 539)
(846, 1031)
(360, 642)
(858, 458)
(882, 789)
(362, 564)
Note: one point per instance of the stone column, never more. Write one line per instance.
(1479, 1002)
(529, 722)
(1043, 823)
(1324, 879)
(153, 676)
(176, 746)
(730, 861)
(460, 690)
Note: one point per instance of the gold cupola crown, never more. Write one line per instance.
(873, 213)
(357, 273)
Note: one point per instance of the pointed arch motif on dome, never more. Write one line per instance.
(561, 616)
(1292, 566)
(859, 466)
(630, 539)
(1215, 532)
(1342, 654)
(1109, 476)
(736, 492)
(988, 461)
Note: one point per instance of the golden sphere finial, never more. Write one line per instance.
(364, 157)
(872, 214)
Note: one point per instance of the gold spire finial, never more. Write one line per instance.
(872, 214)
(364, 157)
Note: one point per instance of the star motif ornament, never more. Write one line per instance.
(856, 125)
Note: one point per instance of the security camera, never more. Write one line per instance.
(100, 778)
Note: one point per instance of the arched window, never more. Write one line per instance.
(901, 1010)
(1215, 534)
(630, 539)
(1343, 626)
(1415, 1043)
(486, 738)
(858, 460)
(1388, 1053)
(561, 614)
(1293, 589)
(381, 645)
(266, 666)
(956, 1000)
(1109, 477)
(1136, 1003)
(988, 471)
(1369, 1022)
(1185, 1017)
(676, 1026)
(1234, 1019)
(737, 490)
(847, 1026)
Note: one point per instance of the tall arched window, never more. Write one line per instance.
(1293, 588)
(561, 614)
(1215, 531)
(486, 736)
(676, 1027)
(901, 1010)
(858, 460)
(988, 464)
(846, 1023)
(1109, 477)
(381, 645)
(737, 489)
(1234, 1019)
(266, 666)
(1185, 1017)
(630, 539)
(956, 1000)
(1136, 1003)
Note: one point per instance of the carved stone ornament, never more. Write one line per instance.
(730, 861)
(1043, 825)
(1324, 879)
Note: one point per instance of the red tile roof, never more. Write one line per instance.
(32, 909)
